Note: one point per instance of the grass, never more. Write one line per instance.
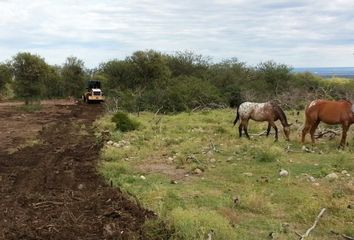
(30, 108)
(159, 164)
(28, 143)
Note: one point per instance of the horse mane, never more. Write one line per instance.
(280, 113)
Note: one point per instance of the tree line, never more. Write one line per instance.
(183, 81)
(28, 77)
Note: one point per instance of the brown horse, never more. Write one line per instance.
(260, 112)
(330, 112)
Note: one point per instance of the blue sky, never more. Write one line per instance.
(300, 33)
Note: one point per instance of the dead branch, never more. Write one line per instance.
(347, 237)
(196, 108)
(327, 131)
(314, 224)
(259, 134)
(342, 235)
(157, 112)
(208, 106)
(46, 204)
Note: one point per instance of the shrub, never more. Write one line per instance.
(124, 123)
(198, 223)
(186, 93)
(264, 155)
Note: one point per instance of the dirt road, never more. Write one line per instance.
(49, 187)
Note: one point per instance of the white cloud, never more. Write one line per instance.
(298, 33)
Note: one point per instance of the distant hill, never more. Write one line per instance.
(328, 71)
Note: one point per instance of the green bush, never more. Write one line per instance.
(186, 93)
(198, 223)
(264, 155)
(124, 123)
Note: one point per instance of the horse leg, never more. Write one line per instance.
(240, 129)
(313, 130)
(305, 130)
(345, 127)
(275, 128)
(245, 128)
(268, 129)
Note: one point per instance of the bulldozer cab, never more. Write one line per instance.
(93, 84)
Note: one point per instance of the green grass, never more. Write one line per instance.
(158, 168)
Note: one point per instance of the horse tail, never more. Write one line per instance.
(237, 117)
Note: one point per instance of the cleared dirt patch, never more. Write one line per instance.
(50, 189)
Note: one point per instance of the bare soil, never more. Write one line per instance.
(49, 185)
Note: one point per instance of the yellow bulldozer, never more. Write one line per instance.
(93, 92)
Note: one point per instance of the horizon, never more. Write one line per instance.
(251, 31)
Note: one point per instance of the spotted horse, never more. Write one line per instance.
(261, 112)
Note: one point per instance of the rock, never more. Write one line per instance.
(348, 175)
(316, 184)
(117, 145)
(248, 174)
(344, 172)
(312, 179)
(285, 227)
(229, 159)
(236, 200)
(283, 173)
(272, 235)
(124, 143)
(304, 148)
(109, 229)
(263, 179)
(209, 153)
(197, 171)
(143, 177)
(332, 176)
(173, 182)
(212, 160)
(80, 186)
(110, 142)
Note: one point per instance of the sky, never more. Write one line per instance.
(303, 33)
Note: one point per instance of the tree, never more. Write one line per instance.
(73, 75)
(230, 77)
(188, 63)
(275, 75)
(151, 68)
(5, 75)
(119, 74)
(29, 72)
(53, 83)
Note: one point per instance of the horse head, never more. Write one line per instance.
(286, 129)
